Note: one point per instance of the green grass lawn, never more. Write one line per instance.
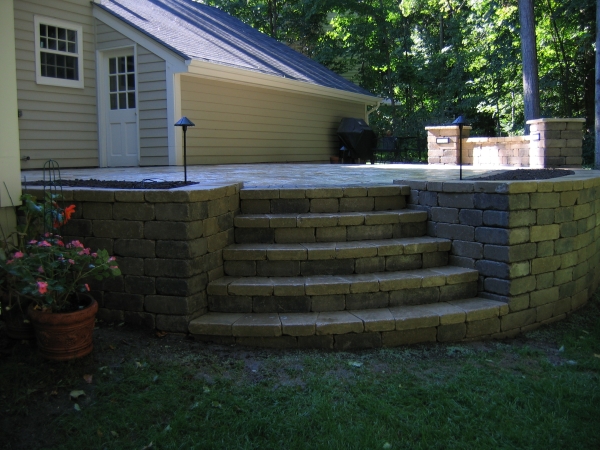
(540, 391)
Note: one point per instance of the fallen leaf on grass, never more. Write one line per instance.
(355, 364)
(216, 404)
(206, 390)
(561, 349)
(161, 334)
(99, 433)
(76, 407)
(194, 406)
(54, 392)
(88, 378)
(114, 433)
(149, 446)
(596, 355)
(112, 347)
(387, 446)
(76, 394)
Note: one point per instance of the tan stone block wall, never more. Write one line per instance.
(536, 244)
(168, 244)
(559, 145)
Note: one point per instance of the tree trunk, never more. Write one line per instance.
(531, 90)
(597, 127)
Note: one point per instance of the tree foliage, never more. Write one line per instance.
(435, 59)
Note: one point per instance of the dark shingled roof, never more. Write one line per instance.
(203, 33)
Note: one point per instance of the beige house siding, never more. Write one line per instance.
(57, 122)
(152, 103)
(237, 123)
(152, 96)
(10, 186)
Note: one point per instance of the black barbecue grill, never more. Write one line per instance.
(358, 138)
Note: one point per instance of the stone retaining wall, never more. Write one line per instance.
(168, 246)
(536, 244)
(552, 143)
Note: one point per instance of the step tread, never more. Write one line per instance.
(399, 318)
(333, 219)
(324, 192)
(335, 250)
(341, 284)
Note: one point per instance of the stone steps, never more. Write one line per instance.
(341, 292)
(340, 268)
(323, 199)
(294, 228)
(363, 328)
(335, 258)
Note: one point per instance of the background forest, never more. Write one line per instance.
(435, 59)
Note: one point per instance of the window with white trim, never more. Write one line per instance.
(58, 52)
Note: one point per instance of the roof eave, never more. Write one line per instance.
(230, 74)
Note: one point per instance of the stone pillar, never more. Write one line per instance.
(442, 153)
(559, 143)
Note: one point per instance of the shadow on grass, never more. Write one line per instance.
(537, 391)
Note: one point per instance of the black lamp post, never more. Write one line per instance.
(461, 122)
(184, 122)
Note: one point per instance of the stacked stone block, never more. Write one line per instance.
(492, 152)
(559, 143)
(168, 245)
(448, 153)
(536, 244)
(552, 143)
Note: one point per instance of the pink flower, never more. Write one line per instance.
(60, 243)
(44, 244)
(48, 234)
(114, 267)
(95, 255)
(112, 258)
(71, 261)
(42, 287)
(10, 261)
(18, 255)
(33, 241)
(74, 244)
(85, 251)
(40, 269)
(87, 286)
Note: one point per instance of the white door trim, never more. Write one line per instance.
(102, 89)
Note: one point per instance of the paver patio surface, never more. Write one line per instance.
(275, 175)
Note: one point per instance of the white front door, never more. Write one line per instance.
(121, 101)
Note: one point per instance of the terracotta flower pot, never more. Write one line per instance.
(64, 336)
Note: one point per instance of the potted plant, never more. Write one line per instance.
(52, 276)
(33, 218)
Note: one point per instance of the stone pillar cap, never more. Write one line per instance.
(529, 122)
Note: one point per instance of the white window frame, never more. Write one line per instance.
(39, 79)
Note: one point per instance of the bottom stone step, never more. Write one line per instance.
(341, 330)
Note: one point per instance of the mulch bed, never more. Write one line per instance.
(112, 184)
(526, 174)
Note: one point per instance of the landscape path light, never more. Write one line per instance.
(461, 122)
(184, 123)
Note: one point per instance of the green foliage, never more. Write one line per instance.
(49, 272)
(40, 267)
(436, 59)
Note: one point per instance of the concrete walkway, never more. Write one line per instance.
(274, 175)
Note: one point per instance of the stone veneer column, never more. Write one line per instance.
(446, 153)
(559, 144)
